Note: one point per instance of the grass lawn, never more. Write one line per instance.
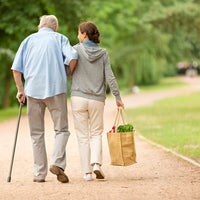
(164, 84)
(173, 123)
(10, 113)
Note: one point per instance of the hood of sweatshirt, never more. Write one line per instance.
(91, 53)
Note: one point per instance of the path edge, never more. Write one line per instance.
(191, 161)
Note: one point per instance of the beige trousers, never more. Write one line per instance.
(88, 123)
(57, 106)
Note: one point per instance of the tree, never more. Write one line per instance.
(21, 21)
(147, 38)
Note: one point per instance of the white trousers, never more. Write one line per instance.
(88, 123)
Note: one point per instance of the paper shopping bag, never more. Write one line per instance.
(121, 145)
(122, 148)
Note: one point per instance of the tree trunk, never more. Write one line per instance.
(7, 88)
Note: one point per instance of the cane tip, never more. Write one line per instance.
(9, 179)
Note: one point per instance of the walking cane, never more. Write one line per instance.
(15, 141)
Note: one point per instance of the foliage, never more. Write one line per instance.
(145, 39)
(125, 128)
(6, 56)
(18, 23)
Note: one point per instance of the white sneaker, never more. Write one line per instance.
(87, 177)
(97, 170)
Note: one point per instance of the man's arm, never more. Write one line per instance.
(71, 67)
(20, 89)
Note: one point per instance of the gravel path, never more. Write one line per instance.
(156, 175)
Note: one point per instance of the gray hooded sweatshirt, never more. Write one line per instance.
(92, 73)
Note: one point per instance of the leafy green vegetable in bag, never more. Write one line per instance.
(125, 128)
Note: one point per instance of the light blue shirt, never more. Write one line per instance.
(41, 58)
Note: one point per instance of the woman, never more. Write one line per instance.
(88, 94)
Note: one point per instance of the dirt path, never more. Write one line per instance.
(157, 174)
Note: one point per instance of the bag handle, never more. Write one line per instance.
(120, 114)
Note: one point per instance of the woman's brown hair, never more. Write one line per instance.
(91, 30)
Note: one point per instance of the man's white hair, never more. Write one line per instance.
(49, 21)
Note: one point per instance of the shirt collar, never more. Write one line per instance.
(45, 29)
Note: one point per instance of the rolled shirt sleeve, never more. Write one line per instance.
(69, 53)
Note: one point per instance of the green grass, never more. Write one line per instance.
(165, 84)
(173, 123)
(10, 113)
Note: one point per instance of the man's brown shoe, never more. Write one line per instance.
(59, 172)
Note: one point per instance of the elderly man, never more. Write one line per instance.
(41, 59)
